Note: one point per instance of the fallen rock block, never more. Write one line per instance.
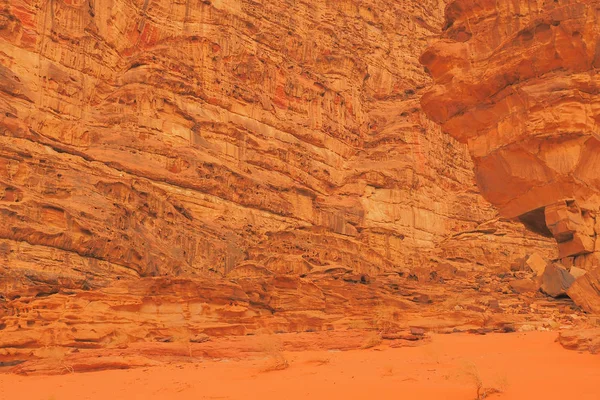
(577, 272)
(579, 244)
(536, 263)
(506, 328)
(518, 265)
(585, 291)
(524, 286)
(562, 220)
(581, 340)
(480, 331)
(556, 280)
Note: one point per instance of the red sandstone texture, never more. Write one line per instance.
(177, 172)
(517, 82)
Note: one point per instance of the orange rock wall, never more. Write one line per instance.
(149, 138)
(517, 82)
(171, 170)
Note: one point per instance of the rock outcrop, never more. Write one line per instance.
(581, 340)
(585, 291)
(172, 169)
(517, 81)
(158, 138)
(208, 138)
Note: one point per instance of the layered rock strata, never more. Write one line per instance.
(517, 81)
(174, 168)
(150, 139)
(145, 321)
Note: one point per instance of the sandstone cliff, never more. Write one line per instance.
(266, 159)
(517, 81)
(169, 138)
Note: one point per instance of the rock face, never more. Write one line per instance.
(197, 137)
(158, 138)
(219, 166)
(517, 81)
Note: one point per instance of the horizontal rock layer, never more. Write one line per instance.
(222, 140)
(170, 318)
(149, 139)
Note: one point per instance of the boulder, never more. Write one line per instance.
(578, 245)
(199, 338)
(581, 340)
(577, 272)
(524, 285)
(556, 280)
(585, 291)
(536, 263)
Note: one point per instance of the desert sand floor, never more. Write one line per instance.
(503, 366)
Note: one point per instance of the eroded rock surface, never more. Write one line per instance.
(187, 138)
(517, 81)
(157, 138)
(149, 320)
(174, 169)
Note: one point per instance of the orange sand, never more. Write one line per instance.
(520, 365)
